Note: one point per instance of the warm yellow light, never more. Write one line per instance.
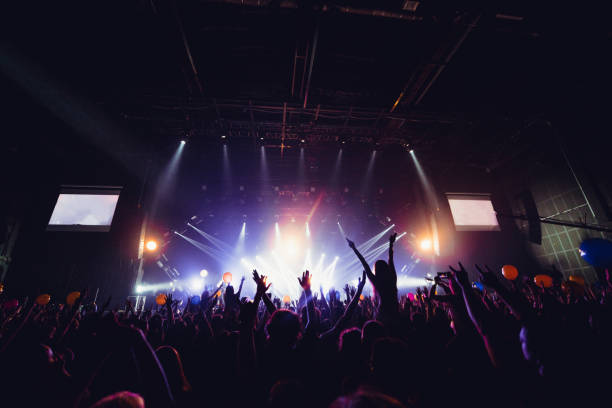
(151, 245)
(426, 244)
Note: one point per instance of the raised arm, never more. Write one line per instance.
(364, 263)
(310, 308)
(392, 239)
(515, 303)
(348, 312)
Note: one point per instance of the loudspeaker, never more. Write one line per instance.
(532, 226)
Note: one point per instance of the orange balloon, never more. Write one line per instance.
(218, 294)
(578, 279)
(72, 297)
(543, 281)
(361, 297)
(161, 299)
(286, 299)
(510, 272)
(43, 299)
(227, 277)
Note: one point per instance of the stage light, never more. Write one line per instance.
(227, 277)
(307, 230)
(411, 151)
(203, 273)
(196, 284)
(139, 288)
(151, 245)
(183, 142)
(223, 136)
(425, 244)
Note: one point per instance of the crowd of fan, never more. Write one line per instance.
(511, 344)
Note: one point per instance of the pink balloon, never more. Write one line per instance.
(411, 297)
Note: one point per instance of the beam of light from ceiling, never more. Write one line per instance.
(167, 179)
(431, 198)
(241, 238)
(367, 180)
(314, 207)
(263, 170)
(216, 254)
(213, 240)
(335, 178)
(227, 170)
(301, 175)
(307, 230)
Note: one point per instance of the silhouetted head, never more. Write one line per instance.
(283, 327)
(366, 399)
(371, 331)
(350, 341)
(122, 399)
(288, 393)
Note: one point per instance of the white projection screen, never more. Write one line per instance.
(472, 212)
(84, 209)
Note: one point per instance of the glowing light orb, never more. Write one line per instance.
(151, 245)
(426, 244)
(203, 273)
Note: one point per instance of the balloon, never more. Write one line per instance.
(43, 299)
(1, 287)
(543, 281)
(510, 272)
(478, 285)
(411, 297)
(161, 299)
(578, 279)
(218, 294)
(361, 297)
(195, 300)
(286, 299)
(597, 252)
(11, 304)
(227, 277)
(72, 297)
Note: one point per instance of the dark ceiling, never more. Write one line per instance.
(432, 74)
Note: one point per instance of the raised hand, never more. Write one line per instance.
(487, 277)
(351, 244)
(305, 281)
(392, 238)
(460, 276)
(261, 282)
(362, 282)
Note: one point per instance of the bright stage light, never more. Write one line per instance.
(196, 284)
(425, 244)
(411, 151)
(203, 273)
(183, 142)
(139, 289)
(151, 245)
(307, 230)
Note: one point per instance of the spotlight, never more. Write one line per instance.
(222, 136)
(411, 151)
(196, 284)
(426, 244)
(151, 245)
(139, 289)
(183, 142)
(203, 273)
(303, 141)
